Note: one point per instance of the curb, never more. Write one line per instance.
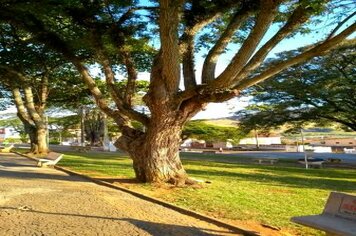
(181, 210)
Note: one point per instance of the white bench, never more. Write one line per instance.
(312, 163)
(81, 148)
(7, 149)
(209, 152)
(338, 217)
(51, 159)
(266, 159)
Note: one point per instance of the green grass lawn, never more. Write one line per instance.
(239, 190)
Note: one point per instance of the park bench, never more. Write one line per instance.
(81, 148)
(51, 159)
(7, 149)
(338, 217)
(209, 152)
(312, 162)
(265, 159)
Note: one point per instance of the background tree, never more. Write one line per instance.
(114, 34)
(36, 78)
(208, 132)
(322, 90)
(16, 125)
(94, 126)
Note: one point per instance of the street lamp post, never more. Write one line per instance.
(144, 127)
(106, 141)
(47, 131)
(82, 113)
(305, 154)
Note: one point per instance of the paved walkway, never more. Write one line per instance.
(45, 201)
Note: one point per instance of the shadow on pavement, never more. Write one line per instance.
(22, 174)
(153, 228)
(18, 167)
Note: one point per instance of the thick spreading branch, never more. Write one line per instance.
(131, 78)
(31, 108)
(29, 104)
(314, 51)
(44, 92)
(188, 63)
(340, 25)
(264, 19)
(196, 19)
(299, 16)
(170, 13)
(208, 73)
(20, 106)
(97, 43)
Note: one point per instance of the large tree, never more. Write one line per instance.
(321, 90)
(113, 34)
(33, 77)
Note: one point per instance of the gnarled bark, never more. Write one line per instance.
(155, 154)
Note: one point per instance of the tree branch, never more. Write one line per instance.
(44, 91)
(131, 78)
(263, 21)
(299, 16)
(170, 11)
(188, 63)
(208, 72)
(21, 110)
(340, 25)
(124, 105)
(314, 51)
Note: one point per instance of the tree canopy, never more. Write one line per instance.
(324, 89)
(208, 132)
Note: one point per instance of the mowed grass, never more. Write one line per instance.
(238, 188)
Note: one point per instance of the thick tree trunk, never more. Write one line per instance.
(31, 131)
(155, 154)
(159, 160)
(42, 141)
(38, 140)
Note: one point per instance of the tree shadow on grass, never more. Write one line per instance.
(80, 162)
(282, 170)
(284, 180)
(323, 173)
(153, 228)
(98, 155)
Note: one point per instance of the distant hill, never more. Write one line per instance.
(310, 131)
(225, 122)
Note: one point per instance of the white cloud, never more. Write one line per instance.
(221, 110)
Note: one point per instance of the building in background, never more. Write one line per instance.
(261, 141)
(8, 133)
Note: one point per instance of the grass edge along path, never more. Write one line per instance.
(237, 191)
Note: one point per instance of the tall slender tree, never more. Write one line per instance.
(114, 34)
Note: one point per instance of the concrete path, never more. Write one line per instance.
(45, 201)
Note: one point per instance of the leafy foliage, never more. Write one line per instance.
(203, 131)
(322, 90)
(17, 125)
